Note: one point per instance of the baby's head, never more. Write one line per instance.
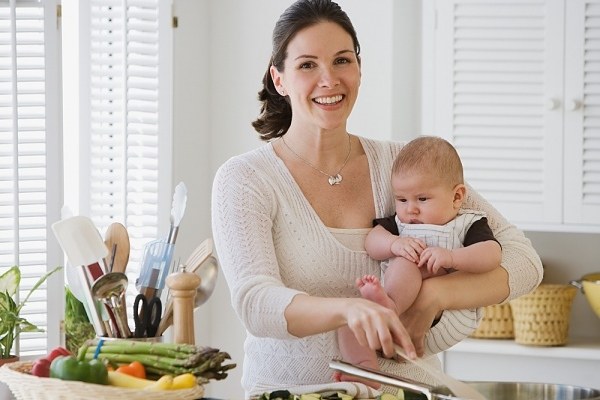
(427, 181)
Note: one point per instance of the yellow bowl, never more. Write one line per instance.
(590, 286)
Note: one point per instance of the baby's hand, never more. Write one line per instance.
(435, 258)
(409, 248)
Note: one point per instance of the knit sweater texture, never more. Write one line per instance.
(272, 246)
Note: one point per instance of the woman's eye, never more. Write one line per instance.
(342, 60)
(306, 65)
(402, 200)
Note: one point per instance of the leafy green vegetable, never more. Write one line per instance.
(78, 328)
(74, 309)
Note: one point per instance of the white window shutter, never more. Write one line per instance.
(498, 74)
(582, 113)
(30, 190)
(130, 120)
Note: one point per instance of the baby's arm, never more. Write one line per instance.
(476, 258)
(381, 244)
(481, 252)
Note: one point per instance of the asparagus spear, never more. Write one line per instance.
(164, 358)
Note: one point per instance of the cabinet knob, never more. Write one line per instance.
(574, 105)
(551, 104)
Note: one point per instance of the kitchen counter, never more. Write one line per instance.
(583, 349)
(6, 394)
(505, 360)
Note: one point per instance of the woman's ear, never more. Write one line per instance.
(460, 192)
(276, 77)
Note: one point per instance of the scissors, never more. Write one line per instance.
(146, 316)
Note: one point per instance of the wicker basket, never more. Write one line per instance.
(29, 387)
(541, 318)
(497, 323)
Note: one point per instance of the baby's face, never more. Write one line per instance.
(424, 199)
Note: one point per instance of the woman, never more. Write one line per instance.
(290, 219)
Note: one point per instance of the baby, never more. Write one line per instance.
(429, 235)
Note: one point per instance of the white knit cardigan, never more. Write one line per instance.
(272, 246)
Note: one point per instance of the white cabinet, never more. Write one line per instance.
(515, 86)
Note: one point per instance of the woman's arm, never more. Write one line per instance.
(459, 293)
(519, 259)
(373, 325)
(241, 224)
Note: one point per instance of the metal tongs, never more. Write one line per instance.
(431, 392)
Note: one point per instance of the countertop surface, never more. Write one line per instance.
(5, 393)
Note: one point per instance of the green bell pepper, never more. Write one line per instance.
(71, 368)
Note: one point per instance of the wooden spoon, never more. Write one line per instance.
(116, 234)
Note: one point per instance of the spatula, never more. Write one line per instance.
(458, 388)
(83, 245)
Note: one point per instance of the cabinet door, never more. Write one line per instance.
(582, 112)
(497, 91)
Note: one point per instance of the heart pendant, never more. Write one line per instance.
(335, 180)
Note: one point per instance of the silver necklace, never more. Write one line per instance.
(333, 179)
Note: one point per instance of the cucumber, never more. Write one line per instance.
(386, 396)
(400, 394)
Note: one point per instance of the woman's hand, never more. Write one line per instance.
(378, 327)
(419, 317)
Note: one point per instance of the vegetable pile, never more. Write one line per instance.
(159, 359)
(136, 365)
(41, 366)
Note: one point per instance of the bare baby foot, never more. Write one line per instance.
(370, 288)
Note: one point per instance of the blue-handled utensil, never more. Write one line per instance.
(156, 264)
(158, 255)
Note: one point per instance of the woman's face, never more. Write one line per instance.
(321, 76)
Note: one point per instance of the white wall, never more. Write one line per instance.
(221, 50)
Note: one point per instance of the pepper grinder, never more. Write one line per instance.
(183, 286)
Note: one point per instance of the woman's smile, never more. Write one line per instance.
(329, 100)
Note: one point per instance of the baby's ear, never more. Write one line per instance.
(460, 192)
